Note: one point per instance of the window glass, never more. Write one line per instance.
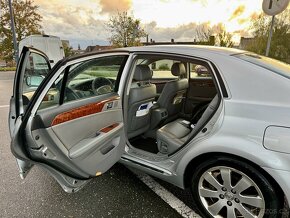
(162, 68)
(53, 95)
(92, 78)
(35, 71)
(199, 71)
(86, 79)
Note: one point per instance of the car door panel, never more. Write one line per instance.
(73, 131)
(75, 140)
(200, 90)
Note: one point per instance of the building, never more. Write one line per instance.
(98, 48)
(245, 41)
(152, 42)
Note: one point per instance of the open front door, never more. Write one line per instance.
(32, 68)
(73, 126)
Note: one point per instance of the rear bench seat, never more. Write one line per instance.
(174, 134)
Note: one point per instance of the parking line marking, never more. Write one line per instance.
(165, 195)
(4, 106)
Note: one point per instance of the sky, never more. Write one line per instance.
(83, 21)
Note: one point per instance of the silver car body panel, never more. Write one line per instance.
(257, 98)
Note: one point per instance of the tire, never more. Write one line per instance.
(227, 187)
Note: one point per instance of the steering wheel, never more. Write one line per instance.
(70, 95)
(102, 85)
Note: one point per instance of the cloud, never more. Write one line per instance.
(112, 6)
(182, 33)
(84, 20)
(74, 21)
(238, 12)
(243, 20)
(187, 32)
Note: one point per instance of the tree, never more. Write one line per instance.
(223, 38)
(280, 43)
(204, 32)
(215, 35)
(125, 30)
(27, 22)
(68, 50)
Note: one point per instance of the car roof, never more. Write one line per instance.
(182, 49)
(195, 50)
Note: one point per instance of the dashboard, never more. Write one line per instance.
(85, 88)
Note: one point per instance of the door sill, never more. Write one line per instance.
(149, 161)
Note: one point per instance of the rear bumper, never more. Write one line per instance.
(282, 177)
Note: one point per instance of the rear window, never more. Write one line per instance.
(267, 63)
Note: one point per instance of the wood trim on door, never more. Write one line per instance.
(82, 111)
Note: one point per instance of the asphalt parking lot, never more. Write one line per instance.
(118, 193)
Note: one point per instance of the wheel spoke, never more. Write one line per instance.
(231, 191)
(216, 208)
(207, 193)
(243, 184)
(244, 211)
(231, 212)
(226, 176)
(252, 201)
(210, 178)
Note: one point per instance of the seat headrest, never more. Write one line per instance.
(142, 73)
(178, 69)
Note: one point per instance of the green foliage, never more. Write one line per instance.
(7, 68)
(27, 22)
(280, 43)
(68, 51)
(125, 30)
(223, 38)
(163, 67)
(216, 35)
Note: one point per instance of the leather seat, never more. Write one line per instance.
(174, 91)
(174, 134)
(141, 96)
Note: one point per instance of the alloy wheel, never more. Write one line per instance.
(228, 192)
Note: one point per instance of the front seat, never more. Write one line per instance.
(174, 92)
(141, 97)
(174, 134)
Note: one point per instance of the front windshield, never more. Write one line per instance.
(276, 66)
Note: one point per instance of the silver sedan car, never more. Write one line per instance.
(224, 133)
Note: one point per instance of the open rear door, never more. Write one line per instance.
(73, 125)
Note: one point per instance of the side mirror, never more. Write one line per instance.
(34, 81)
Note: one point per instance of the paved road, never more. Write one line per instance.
(118, 193)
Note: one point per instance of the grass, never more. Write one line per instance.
(7, 68)
(105, 73)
